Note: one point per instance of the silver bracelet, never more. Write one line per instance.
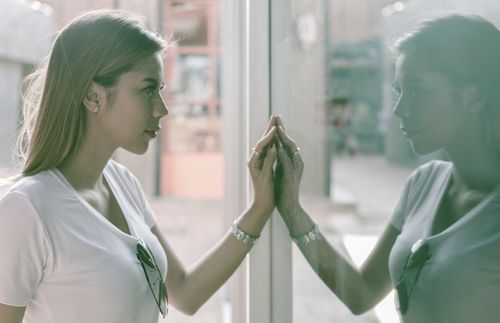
(242, 235)
(312, 235)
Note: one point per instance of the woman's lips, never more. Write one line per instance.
(410, 132)
(151, 133)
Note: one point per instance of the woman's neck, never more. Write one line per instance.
(84, 170)
(477, 170)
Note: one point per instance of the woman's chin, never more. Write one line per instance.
(137, 149)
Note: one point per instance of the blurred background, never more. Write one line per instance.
(331, 83)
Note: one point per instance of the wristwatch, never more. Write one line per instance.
(242, 235)
(312, 235)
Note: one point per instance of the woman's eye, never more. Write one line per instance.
(415, 92)
(150, 91)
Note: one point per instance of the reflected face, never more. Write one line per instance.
(133, 119)
(430, 109)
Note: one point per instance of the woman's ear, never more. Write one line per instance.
(94, 98)
(473, 99)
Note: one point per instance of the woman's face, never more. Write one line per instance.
(133, 118)
(430, 110)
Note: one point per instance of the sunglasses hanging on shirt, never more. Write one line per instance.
(153, 276)
(420, 253)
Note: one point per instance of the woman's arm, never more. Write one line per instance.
(190, 288)
(11, 314)
(24, 251)
(359, 289)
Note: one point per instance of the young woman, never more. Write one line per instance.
(441, 247)
(78, 240)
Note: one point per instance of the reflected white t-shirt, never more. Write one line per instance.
(65, 262)
(460, 283)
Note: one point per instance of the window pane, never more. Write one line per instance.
(331, 83)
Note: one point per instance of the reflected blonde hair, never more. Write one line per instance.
(97, 46)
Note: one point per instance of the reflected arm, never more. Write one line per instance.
(360, 289)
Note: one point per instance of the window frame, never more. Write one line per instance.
(261, 290)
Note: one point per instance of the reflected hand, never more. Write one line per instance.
(288, 175)
(260, 165)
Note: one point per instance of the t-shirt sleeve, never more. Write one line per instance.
(24, 249)
(399, 212)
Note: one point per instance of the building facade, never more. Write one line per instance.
(25, 38)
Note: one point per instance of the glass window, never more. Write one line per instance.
(331, 83)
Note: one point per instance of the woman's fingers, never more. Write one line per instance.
(279, 122)
(263, 143)
(270, 124)
(267, 167)
(287, 141)
(297, 160)
(259, 151)
(293, 155)
(283, 158)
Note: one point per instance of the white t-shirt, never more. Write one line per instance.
(65, 262)
(460, 283)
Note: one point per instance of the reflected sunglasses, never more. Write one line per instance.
(420, 253)
(153, 276)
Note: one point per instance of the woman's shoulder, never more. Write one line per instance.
(129, 184)
(430, 172)
(120, 172)
(34, 196)
(33, 185)
(434, 167)
(16, 207)
(124, 178)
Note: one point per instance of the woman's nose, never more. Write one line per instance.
(401, 109)
(161, 108)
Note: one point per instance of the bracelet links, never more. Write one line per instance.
(312, 235)
(241, 235)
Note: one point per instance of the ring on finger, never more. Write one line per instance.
(258, 153)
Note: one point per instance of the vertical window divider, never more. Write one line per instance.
(270, 266)
(261, 289)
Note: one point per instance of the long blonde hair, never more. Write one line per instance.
(97, 46)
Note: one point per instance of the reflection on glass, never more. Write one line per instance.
(332, 76)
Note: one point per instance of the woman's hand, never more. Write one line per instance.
(260, 165)
(288, 174)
